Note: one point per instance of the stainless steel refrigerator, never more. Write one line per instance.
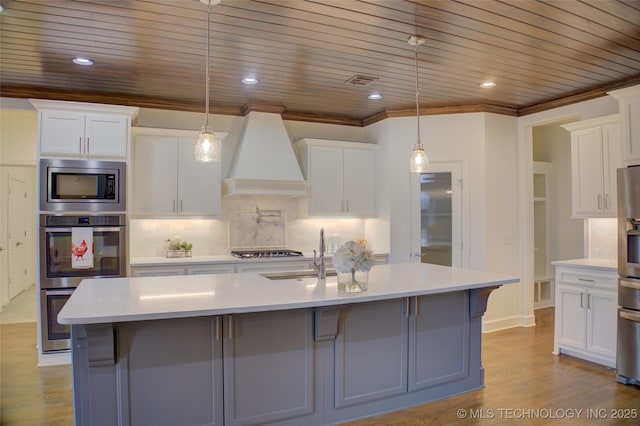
(628, 343)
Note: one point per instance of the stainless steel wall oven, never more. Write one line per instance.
(628, 344)
(72, 248)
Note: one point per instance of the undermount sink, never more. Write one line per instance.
(292, 275)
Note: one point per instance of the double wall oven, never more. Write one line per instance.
(65, 263)
(628, 344)
(82, 234)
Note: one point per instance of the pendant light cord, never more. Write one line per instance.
(417, 93)
(206, 84)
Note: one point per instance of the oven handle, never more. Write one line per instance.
(631, 316)
(630, 284)
(95, 229)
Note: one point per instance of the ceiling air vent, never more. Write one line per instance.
(360, 80)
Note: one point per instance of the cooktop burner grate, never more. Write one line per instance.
(268, 253)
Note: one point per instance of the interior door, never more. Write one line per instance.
(440, 215)
(17, 233)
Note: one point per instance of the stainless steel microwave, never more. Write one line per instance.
(82, 185)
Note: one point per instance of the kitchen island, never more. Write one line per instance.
(242, 349)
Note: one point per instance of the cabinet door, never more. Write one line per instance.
(325, 178)
(442, 318)
(587, 171)
(572, 326)
(359, 177)
(199, 184)
(61, 133)
(171, 372)
(371, 353)
(612, 150)
(106, 136)
(269, 367)
(602, 312)
(155, 175)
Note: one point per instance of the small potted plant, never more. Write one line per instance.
(178, 248)
(353, 262)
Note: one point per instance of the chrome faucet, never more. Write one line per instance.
(318, 264)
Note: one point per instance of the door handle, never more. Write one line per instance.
(606, 202)
(18, 244)
(599, 202)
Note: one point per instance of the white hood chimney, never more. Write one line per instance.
(264, 163)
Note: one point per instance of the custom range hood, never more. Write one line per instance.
(264, 163)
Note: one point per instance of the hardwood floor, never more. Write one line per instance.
(525, 384)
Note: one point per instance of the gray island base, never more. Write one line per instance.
(307, 365)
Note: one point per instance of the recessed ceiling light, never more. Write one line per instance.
(488, 85)
(375, 96)
(83, 61)
(250, 80)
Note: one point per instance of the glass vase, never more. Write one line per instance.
(353, 281)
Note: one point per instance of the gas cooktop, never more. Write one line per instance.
(266, 253)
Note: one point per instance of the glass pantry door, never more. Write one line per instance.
(440, 215)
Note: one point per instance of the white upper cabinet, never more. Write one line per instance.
(629, 99)
(595, 157)
(167, 179)
(86, 131)
(341, 177)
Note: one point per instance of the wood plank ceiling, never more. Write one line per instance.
(540, 54)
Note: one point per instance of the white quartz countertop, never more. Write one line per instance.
(602, 264)
(150, 298)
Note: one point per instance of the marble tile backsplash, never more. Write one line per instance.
(602, 238)
(238, 228)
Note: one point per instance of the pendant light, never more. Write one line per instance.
(419, 161)
(207, 147)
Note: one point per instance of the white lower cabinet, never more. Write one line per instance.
(165, 270)
(279, 266)
(586, 314)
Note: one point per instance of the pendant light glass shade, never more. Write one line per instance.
(419, 161)
(207, 148)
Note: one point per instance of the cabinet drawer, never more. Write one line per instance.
(601, 280)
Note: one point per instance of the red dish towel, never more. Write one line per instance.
(81, 248)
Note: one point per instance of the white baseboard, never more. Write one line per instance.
(489, 326)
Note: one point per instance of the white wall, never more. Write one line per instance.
(18, 132)
(18, 141)
(506, 306)
(486, 147)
